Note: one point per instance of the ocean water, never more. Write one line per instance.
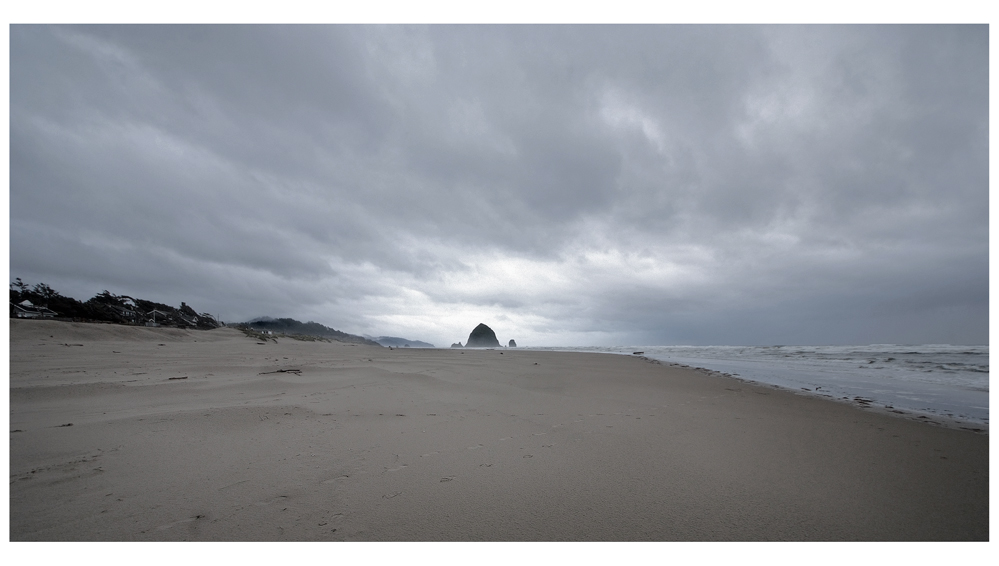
(932, 380)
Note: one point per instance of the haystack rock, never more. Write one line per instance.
(513, 343)
(482, 337)
(456, 345)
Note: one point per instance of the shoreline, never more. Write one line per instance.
(929, 416)
(211, 435)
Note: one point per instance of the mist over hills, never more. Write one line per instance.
(292, 326)
(397, 342)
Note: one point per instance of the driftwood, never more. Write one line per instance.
(294, 371)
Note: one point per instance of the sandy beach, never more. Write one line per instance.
(140, 434)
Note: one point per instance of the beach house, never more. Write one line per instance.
(25, 309)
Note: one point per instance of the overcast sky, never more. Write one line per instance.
(566, 185)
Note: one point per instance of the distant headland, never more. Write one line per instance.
(43, 302)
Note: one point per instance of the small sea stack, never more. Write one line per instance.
(513, 343)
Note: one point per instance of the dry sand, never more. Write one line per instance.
(368, 443)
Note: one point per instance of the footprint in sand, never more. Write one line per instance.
(276, 499)
(180, 522)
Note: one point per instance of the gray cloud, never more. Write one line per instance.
(566, 184)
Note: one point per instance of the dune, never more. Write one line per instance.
(144, 434)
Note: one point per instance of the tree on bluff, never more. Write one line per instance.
(45, 296)
(18, 290)
(187, 310)
(45, 292)
(107, 298)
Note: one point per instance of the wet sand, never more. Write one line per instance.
(122, 433)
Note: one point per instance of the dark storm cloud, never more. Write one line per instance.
(585, 184)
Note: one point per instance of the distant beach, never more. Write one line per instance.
(135, 433)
